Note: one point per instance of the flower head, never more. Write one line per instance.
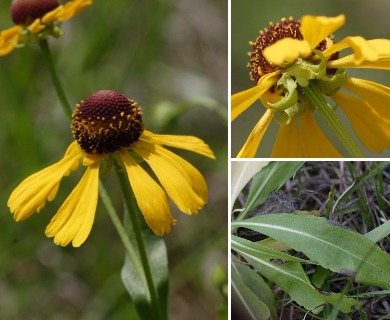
(289, 56)
(108, 126)
(36, 20)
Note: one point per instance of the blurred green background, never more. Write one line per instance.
(169, 56)
(365, 18)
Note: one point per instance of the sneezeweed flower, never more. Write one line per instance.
(37, 20)
(293, 65)
(108, 127)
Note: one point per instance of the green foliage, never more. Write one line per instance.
(302, 241)
(152, 53)
(334, 247)
(269, 179)
(133, 276)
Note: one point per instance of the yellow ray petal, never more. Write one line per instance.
(32, 193)
(36, 26)
(73, 221)
(9, 39)
(363, 50)
(287, 143)
(368, 125)
(316, 28)
(314, 142)
(252, 143)
(10, 33)
(190, 143)
(183, 183)
(372, 54)
(244, 99)
(6, 48)
(349, 62)
(53, 15)
(286, 51)
(375, 94)
(150, 197)
(71, 8)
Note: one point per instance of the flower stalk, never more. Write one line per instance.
(55, 79)
(317, 99)
(132, 209)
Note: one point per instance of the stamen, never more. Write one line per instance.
(106, 121)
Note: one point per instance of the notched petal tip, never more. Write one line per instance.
(32, 193)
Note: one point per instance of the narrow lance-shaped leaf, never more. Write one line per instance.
(269, 179)
(256, 284)
(256, 308)
(291, 277)
(336, 248)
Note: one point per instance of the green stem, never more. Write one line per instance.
(56, 81)
(319, 102)
(132, 207)
(119, 227)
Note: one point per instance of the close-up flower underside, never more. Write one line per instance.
(294, 66)
(108, 127)
(37, 20)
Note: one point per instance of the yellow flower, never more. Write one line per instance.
(37, 19)
(288, 56)
(108, 126)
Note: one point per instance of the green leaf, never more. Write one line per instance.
(336, 248)
(269, 179)
(258, 249)
(256, 308)
(133, 276)
(256, 284)
(379, 233)
(319, 276)
(291, 277)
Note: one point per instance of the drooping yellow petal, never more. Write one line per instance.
(362, 49)
(73, 221)
(150, 197)
(369, 126)
(285, 51)
(190, 143)
(32, 193)
(375, 94)
(252, 143)
(365, 58)
(287, 143)
(314, 142)
(182, 182)
(71, 8)
(6, 48)
(9, 39)
(349, 62)
(316, 28)
(10, 33)
(244, 99)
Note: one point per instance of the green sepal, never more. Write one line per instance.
(26, 37)
(329, 85)
(290, 98)
(303, 70)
